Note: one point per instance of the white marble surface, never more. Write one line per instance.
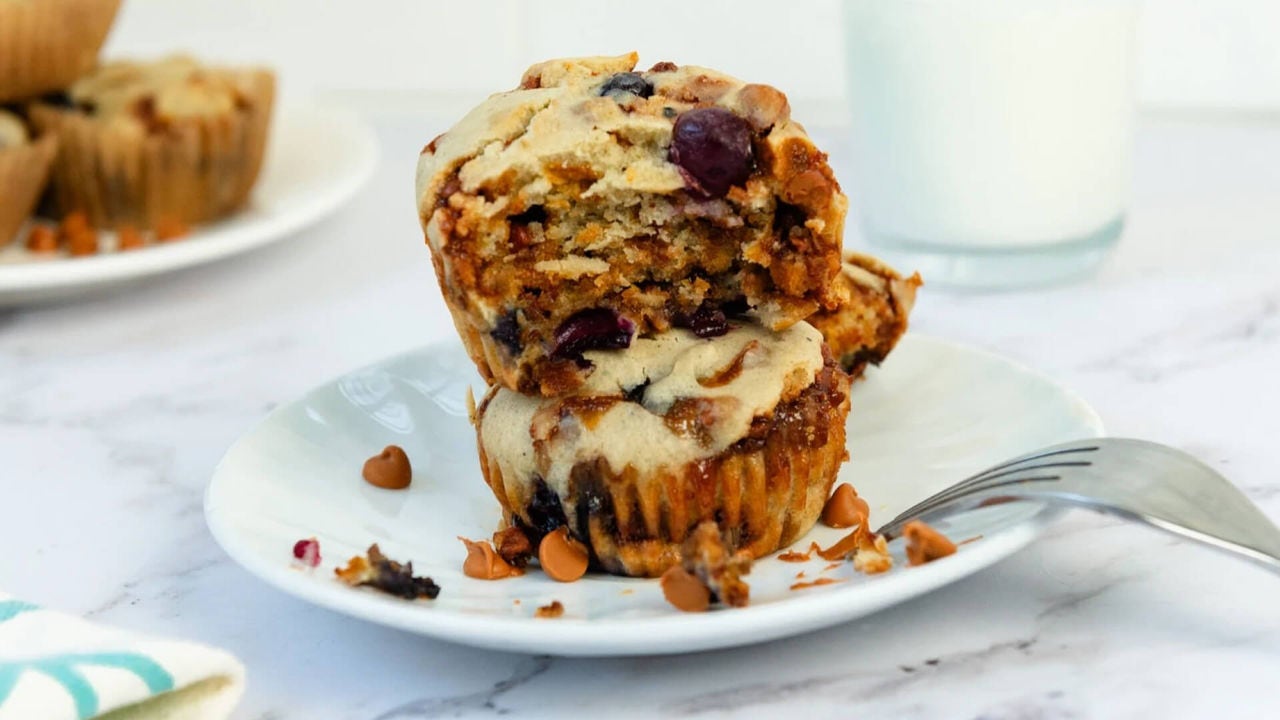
(114, 410)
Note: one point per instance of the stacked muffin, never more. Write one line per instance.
(631, 259)
(134, 147)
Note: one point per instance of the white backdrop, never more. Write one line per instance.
(1199, 54)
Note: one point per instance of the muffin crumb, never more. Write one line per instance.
(706, 555)
(382, 573)
(553, 610)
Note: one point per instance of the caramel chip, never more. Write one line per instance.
(845, 509)
(128, 238)
(483, 563)
(169, 229)
(79, 237)
(924, 544)
(562, 558)
(388, 469)
(684, 590)
(554, 610)
(42, 239)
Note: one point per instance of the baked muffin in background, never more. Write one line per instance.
(746, 429)
(24, 170)
(165, 142)
(875, 302)
(594, 204)
(45, 45)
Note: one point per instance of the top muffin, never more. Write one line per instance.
(594, 203)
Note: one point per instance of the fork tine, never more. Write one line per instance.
(979, 482)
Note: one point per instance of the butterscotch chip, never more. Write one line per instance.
(845, 509)
(562, 558)
(483, 563)
(169, 229)
(129, 238)
(42, 239)
(554, 610)
(684, 590)
(82, 243)
(388, 469)
(924, 544)
(513, 546)
(72, 223)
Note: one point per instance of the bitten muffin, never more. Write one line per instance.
(746, 429)
(145, 144)
(46, 44)
(875, 302)
(594, 203)
(24, 169)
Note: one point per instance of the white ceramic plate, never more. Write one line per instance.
(316, 160)
(934, 413)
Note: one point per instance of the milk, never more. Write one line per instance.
(982, 125)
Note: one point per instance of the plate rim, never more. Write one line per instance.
(801, 613)
(70, 274)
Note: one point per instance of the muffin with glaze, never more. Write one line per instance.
(46, 44)
(167, 142)
(595, 203)
(746, 429)
(875, 302)
(24, 169)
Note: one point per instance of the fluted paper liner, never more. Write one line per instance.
(45, 45)
(24, 170)
(195, 170)
(765, 496)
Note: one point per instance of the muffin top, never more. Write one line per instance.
(12, 131)
(667, 400)
(667, 129)
(167, 90)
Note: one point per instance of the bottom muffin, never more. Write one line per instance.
(874, 304)
(746, 429)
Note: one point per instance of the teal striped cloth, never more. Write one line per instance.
(55, 666)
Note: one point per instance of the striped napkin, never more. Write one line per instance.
(55, 666)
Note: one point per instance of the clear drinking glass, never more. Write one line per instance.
(993, 138)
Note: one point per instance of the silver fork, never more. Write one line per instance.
(1133, 479)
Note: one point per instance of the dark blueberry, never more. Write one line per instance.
(507, 332)
(544, 509)
(627, 82)
(712, 148)
(595, 329)
(707, 321)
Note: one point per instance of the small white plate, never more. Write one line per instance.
(933, 414)
(317, 158)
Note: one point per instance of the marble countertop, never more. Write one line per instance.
(115, 409)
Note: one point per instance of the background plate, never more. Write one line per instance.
(933, 414)
(299, 185)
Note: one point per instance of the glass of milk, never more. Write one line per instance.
(993, 138)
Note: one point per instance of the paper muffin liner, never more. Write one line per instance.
(46, 45)
(764, 494)
(24, 170)
(193, 171)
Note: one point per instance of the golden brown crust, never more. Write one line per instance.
(765, 491)
(875, 304)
